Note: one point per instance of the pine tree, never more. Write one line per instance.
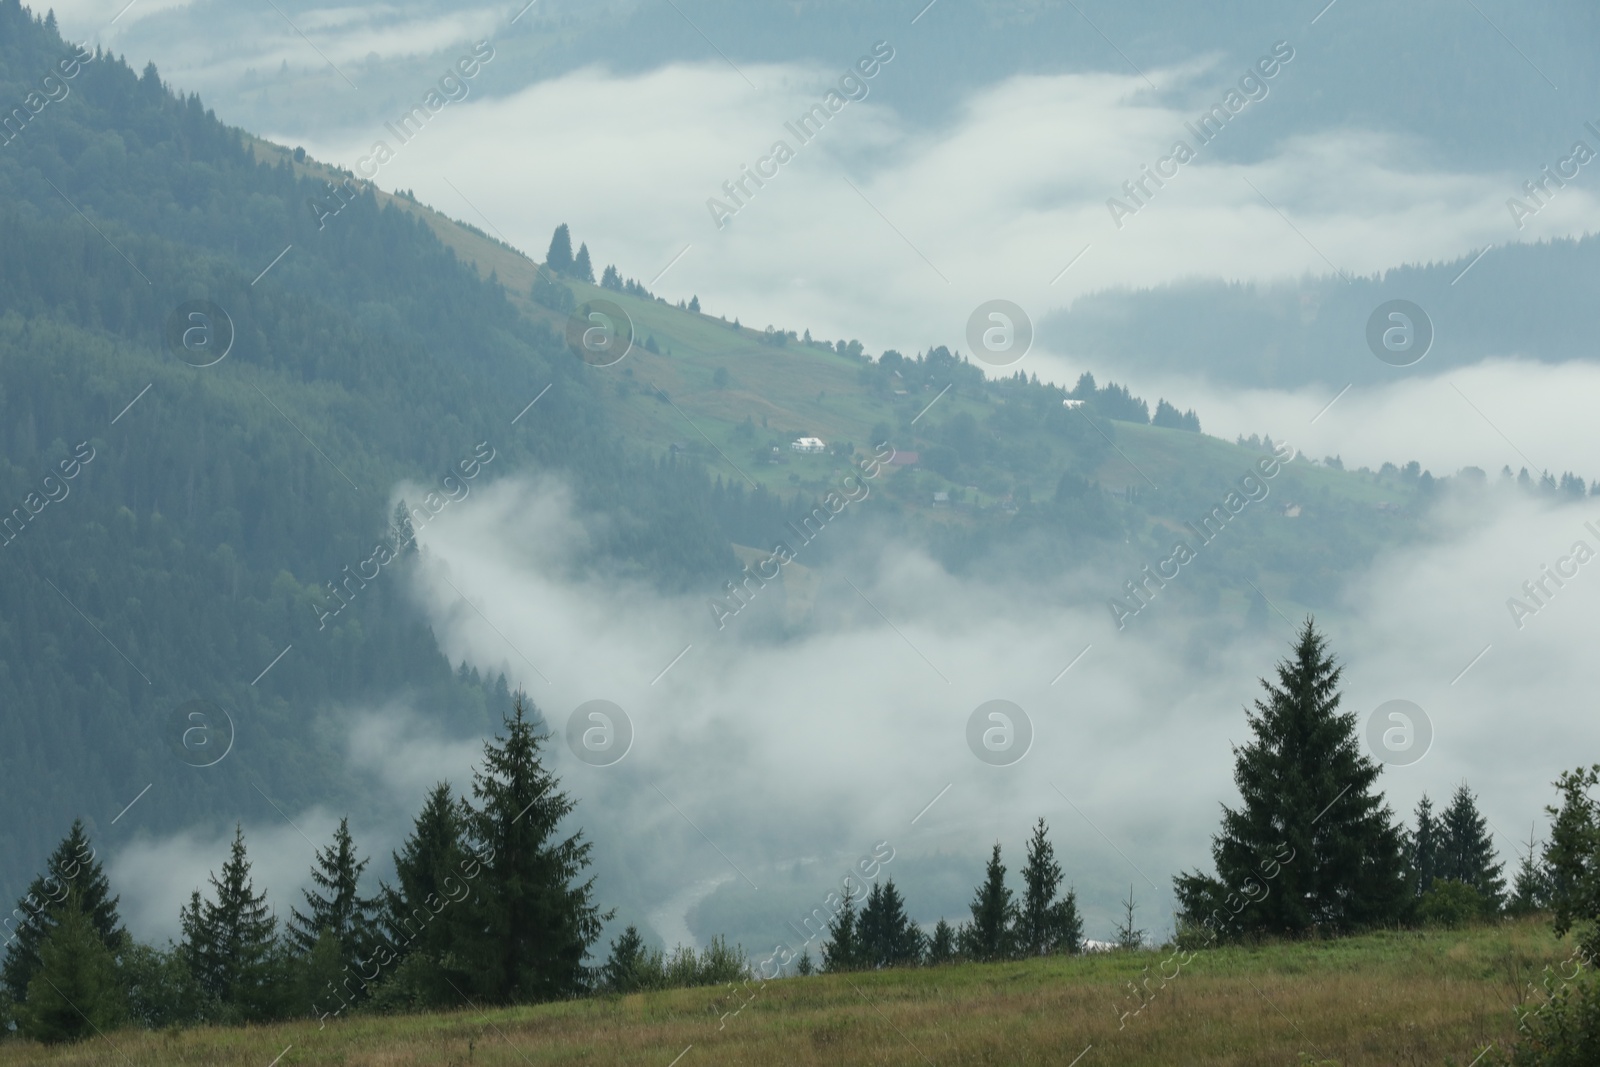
(805, 968)
(990, 934)
(942, 946)
(1128, 936)
(1466, 850)
(623, 971)
(74, 993)
(338, 909)
(842, 951)
(71, 869)
(230, 942)
(582, 268)
(431, 871)
(887, 937)
(610, 279)
(559, 257)
(1313, 846)
(531, 923)
(1424, 849)
(1531, 891)
(694, 304)
(401, 530)
(1573, 859)
(1044, 924)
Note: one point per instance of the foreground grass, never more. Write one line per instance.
(1435, 998)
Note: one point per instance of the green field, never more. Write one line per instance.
(1432, 997)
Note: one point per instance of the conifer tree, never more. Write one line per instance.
(1128, 936)
(842, 951)
(559, 257)
(990, 934)
(1424, 849)
(71, 869)
(1313, 846)
(1466, 850)
(805, 968)
(230, 941)
(582, 268)
(623, 971)
(1044, 924)
(531, 923)
(335, 906)
(610, 279)
(942, 946)
(418, 916)
(1573, 859)
(74, 992)
(1531, 891)
(888, 938)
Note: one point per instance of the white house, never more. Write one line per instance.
(810, 444)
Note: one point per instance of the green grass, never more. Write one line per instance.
(1434, 997)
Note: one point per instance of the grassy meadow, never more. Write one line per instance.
(1405, 998)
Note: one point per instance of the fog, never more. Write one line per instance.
(760, 768)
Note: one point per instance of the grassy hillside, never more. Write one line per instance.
(1437, 997)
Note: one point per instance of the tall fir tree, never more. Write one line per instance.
(75, 991)
(1466, 850)
(1127, 934)
(559, 257)
(842, 951)
(531, 922)
(419, 915)
(990, 934)
(335, 905)
(624, 969)
(888, 937)
(1046, 925)
(582, 268)
(1423, 850)
(1314, 846)
(230, 942)
(71, 870)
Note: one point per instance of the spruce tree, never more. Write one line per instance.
(1530, 892)
(942, 946)
(842, 951)
(531, 922)
(623, 971)
(1424, 849)
(71, 870)
(990, 934)
(1314, 846)
(582, 268)
(1573, 859)
(1466, 850)
(420, 914)
(559, 257)
(888, 938)
(335, 905)
(1127, 935)
(804, 967)
(1046, 925)
(74, 993)
(230, 942)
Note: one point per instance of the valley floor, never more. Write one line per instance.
(1436, 998)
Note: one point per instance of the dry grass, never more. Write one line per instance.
(1432, 998)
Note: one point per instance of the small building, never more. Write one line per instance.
(810, 445)
(941, 499)
(1291, 511)
(1070, 404)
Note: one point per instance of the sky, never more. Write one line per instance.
(892, 229)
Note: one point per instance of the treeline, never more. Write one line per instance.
(489, 905)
